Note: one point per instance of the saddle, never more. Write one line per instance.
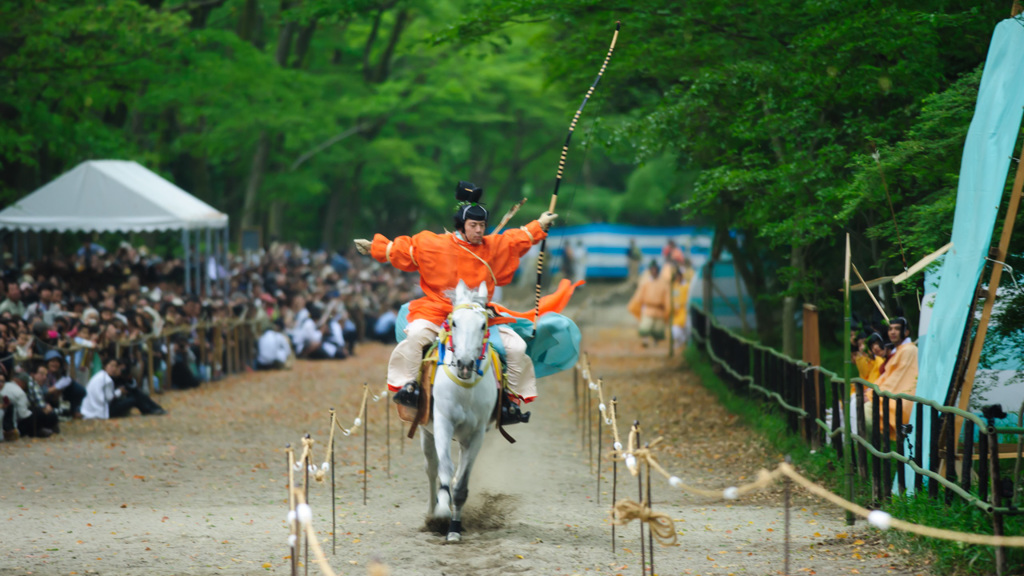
(424, 410)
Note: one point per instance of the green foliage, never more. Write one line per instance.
(952, 557)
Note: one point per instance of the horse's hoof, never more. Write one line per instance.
(454, 537)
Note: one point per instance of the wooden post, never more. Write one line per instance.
(812, 355)
(203, 353)
(997, 517)
(238, 348)
(993, 286)
(149, 364)
(218, 348)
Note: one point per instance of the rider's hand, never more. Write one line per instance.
(363, 245)
(546, 219)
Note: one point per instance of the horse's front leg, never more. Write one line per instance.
(443, 431)
(460, 494)
(430, 457)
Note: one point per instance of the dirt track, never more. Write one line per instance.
(202, 489)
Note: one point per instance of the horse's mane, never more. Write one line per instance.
(474, 296)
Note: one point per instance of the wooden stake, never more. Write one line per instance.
(366, 471)
(387, 428)
(334, 517)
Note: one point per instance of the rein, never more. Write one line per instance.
(445, 339)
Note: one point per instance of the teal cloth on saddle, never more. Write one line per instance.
(555, 348)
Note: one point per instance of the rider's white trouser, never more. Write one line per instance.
(408, 354)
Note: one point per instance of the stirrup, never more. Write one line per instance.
(511, 414)
(408, 395)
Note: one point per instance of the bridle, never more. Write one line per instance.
(446, 343)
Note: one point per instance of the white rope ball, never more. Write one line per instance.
(617, 445)
(731, 493)
(291, 516)
(304, 513)
(357, 422)
(630, 461)
(292, 540)
(601, 407)
(593, 385)
(325, 466)
(298, 466)
(879, 519)
(312, 468)
(608, 421)
(675, 482)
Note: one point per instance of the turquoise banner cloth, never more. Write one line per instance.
(555, 348)
(983, 172)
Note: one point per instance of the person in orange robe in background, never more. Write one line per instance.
(650, 303)
(898, 377)
(444, 259)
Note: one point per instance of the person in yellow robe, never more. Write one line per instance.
(680, 301)
(869, 360)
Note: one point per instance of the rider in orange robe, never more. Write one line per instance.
(442, 260)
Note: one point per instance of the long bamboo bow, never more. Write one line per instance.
(561, 170)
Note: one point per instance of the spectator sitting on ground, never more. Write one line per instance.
(60, 386)
(39, 400)
(384, 327)
(105, 400)
(30, 420)
(17, 413)
(274, 352)
(333, 338)
(44, 307)
(13, 304)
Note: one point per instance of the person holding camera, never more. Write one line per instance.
(60, 386)
(104, 399)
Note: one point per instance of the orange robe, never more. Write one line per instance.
(900, 377)
(443, 259)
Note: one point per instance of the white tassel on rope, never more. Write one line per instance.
(879, 519)
(304, 514)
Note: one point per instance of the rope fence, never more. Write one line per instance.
(299, 512)
(639, 458)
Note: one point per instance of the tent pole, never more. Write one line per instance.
(215, 254)
(226, 260)
(206, 261)
(188, 268)
(197, 262)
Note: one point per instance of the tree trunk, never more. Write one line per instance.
(353, 207)
(252, 188)
(709, 269)
(789, 304)
(330, 219)
(751, 269)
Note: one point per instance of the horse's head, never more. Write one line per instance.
(468, 323)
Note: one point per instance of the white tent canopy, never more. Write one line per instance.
(110, 196)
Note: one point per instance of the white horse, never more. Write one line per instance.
(465, 392)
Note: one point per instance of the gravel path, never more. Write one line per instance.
(202, 489)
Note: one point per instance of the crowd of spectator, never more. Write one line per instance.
(96, 333)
